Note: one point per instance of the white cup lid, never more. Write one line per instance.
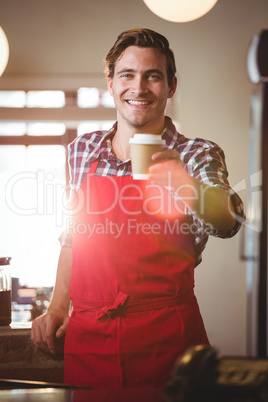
(147, 139)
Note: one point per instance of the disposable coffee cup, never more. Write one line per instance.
(142, 147)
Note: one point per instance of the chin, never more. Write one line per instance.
(139, 123)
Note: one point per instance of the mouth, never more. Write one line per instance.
(138, 102)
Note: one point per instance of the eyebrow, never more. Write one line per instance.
(131, 70)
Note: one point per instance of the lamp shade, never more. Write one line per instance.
(4, 51)
(180, 10)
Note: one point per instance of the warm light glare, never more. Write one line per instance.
(4, 51)
(180, 10)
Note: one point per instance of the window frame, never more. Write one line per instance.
(70, 114)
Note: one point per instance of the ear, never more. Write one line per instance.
(110, 86)
(172, 87)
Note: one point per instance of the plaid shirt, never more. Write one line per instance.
(203, 160)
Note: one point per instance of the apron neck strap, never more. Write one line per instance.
(93, 167)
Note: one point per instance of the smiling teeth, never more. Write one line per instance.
(138, 103)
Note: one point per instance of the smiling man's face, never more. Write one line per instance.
(140, 88)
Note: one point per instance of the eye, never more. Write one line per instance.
(155, 77)
(126, 75)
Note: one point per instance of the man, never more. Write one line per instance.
(130, 269)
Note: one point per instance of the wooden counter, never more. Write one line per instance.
(20, 359)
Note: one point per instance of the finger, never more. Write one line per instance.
(49, 334)
(167, 154)
(37, 338)
(36, 334)
(167, 173)
(33, 333)
(50, 343)
(62, 329)
(156, 168)
(157, 156)
(159, 181)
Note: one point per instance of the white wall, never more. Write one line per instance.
(72, 37)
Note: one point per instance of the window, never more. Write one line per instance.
(33, 181)
(93, 97)
(94, 125)
(35, 130)
(51, 99)
(88, 97)
(12, 128)
(19, 99)
(12, 98)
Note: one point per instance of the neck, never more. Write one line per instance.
(120, 148)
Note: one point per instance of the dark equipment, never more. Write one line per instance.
(200, 376)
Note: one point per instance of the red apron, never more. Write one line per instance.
(134, 310)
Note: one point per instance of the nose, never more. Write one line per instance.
(139, 86)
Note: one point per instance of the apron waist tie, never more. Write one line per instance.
(123, 305)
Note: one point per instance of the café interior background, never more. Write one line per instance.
(65, 41)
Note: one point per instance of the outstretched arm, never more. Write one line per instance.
(210, 203)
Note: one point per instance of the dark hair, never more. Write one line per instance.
(141, 37)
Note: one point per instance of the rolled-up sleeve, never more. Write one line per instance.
(65, 239)
(205, 161)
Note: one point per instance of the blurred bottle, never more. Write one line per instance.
(5, 291)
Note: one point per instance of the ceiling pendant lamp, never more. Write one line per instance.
(180, 10)
(4, 51)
